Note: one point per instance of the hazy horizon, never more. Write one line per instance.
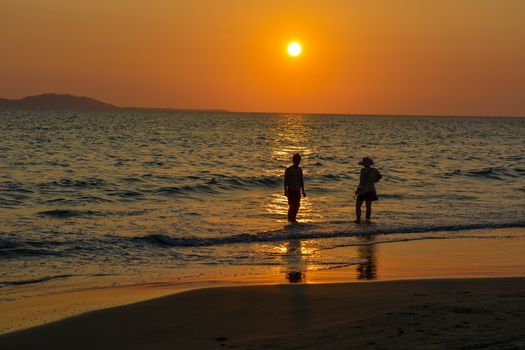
(274, 112)
(433, 58)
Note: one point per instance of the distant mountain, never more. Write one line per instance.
(56, 101)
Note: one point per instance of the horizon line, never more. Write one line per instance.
(225, 110)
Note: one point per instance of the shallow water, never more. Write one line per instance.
(149, 193)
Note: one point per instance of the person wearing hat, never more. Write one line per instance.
(366, 191)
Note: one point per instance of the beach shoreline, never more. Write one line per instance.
(458, 258)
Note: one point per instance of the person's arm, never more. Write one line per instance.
(379, 176)
(286, 182)
(362, 177)
(302, 183)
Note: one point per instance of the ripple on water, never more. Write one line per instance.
(196, 181)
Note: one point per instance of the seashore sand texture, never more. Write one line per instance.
(481, 313)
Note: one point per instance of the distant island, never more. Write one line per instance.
(67, 101)
(56, 101)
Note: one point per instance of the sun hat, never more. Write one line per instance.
(366, 161)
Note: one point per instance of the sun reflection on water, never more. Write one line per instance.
(294, 139)
(277, 206)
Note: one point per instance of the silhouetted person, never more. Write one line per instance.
(366, 191)
(293, 185)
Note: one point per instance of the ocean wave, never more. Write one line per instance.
(70, 213)
(77, 200)
(14, 246)
(131, 179)
(298, 232)
(206, 185)
(426, 196)
(127, 194)
(32, 281)
(10, 186)
(73, 213)
(69, 183)
(13, 194)
(493, 173)
(4, 243)
(241, 182)
(219, 182)
(16, 252)
(9, 203)
(393, 196)
(216, 184)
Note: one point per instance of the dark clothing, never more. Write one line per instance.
(294, 202)
(366, 191)
(294, 197)
(293, 184)
(369, 176)
(293, 178)
(368, 196)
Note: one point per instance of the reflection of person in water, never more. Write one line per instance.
(295, 276)
(294, 256)
(300, 315)
(366, 270)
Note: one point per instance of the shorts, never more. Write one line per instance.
(294, 197)
(368, 196)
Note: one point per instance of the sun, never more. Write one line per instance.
(294, 49)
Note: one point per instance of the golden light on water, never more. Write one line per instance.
(293, 137)
(294, 49)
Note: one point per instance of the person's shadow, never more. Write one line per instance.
(367, 268)
(296, 268)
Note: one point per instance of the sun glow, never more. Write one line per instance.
(294, 49)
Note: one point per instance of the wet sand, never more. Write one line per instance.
(437, 313)
(418, 314)
(484, 256)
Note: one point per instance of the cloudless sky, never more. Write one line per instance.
(440, 57)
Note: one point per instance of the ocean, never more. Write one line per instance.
(141, 195)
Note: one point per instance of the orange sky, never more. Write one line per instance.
(459, 57)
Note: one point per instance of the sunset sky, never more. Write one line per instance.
(442, 57)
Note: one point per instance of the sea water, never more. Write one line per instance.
(149, 194)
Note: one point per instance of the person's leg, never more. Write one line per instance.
(290, 206)
(358, 204)
(295, 210)
(368, 209)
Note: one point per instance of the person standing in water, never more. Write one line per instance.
(366, 191)
(293, 186)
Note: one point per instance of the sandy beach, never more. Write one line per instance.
(479, 254)
(419, 314)
(447, 296)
